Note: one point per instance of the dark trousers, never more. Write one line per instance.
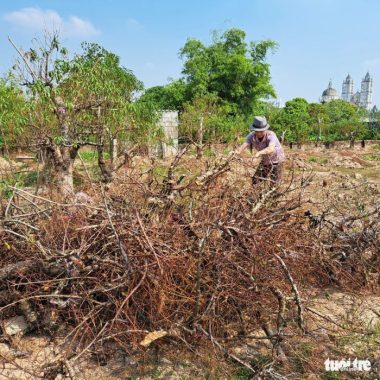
(271, 174)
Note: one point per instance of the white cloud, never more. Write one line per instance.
(133, 23)
(35, 19)
(77, 26)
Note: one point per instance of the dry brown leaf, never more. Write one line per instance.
(152, 336)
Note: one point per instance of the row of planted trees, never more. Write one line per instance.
(205, 120)
(337, 120)
(55, 105)
(225, 84)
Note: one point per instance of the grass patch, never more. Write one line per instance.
(303, 351)
(318, 160)
(372, 157)
(26, 179)
(160, 171)
(30, 179)
(375, 147)
(259, 361)
(363, 346)
(209, 152)
(92, 155)
(242, 374)
(333, 376)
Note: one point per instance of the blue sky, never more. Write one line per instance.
(318, 39)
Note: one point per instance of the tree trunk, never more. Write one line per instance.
(60, 158)
(283, 137)
(65, 179)
(59, 165)
(318, 137)
(352, 140)
(200, 139)
(106, 170)
(113, 151)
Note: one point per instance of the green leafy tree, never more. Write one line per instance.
(345, 121)
(318, 119)
(76, 102)
(373, 130)
(13, 115)
(169, 97)
(106, 104)
(198, 120)
(274, 116)
(230, 68)
(296, 120)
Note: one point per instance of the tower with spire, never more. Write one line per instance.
(366, 92)
(362, 98)
(348, 88)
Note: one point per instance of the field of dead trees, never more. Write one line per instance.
(179, 269)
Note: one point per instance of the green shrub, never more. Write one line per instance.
(22, 179)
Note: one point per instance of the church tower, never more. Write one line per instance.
(348, 88)
(366, 92)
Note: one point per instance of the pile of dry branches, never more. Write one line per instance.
(184, 258)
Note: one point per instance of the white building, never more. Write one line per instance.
(329, 94)
(366, 92)
(169, 124)
(362, 98)
(348, 89)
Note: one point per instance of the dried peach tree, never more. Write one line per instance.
(187, 259)
(83, 100)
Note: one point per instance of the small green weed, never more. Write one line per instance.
(361, 345)
(318, 160)
(372, 157)
(242, 373)
(23, 179)
(332, 376)
(209, 153)
(92, 155)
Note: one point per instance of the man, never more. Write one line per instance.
(268, 148)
